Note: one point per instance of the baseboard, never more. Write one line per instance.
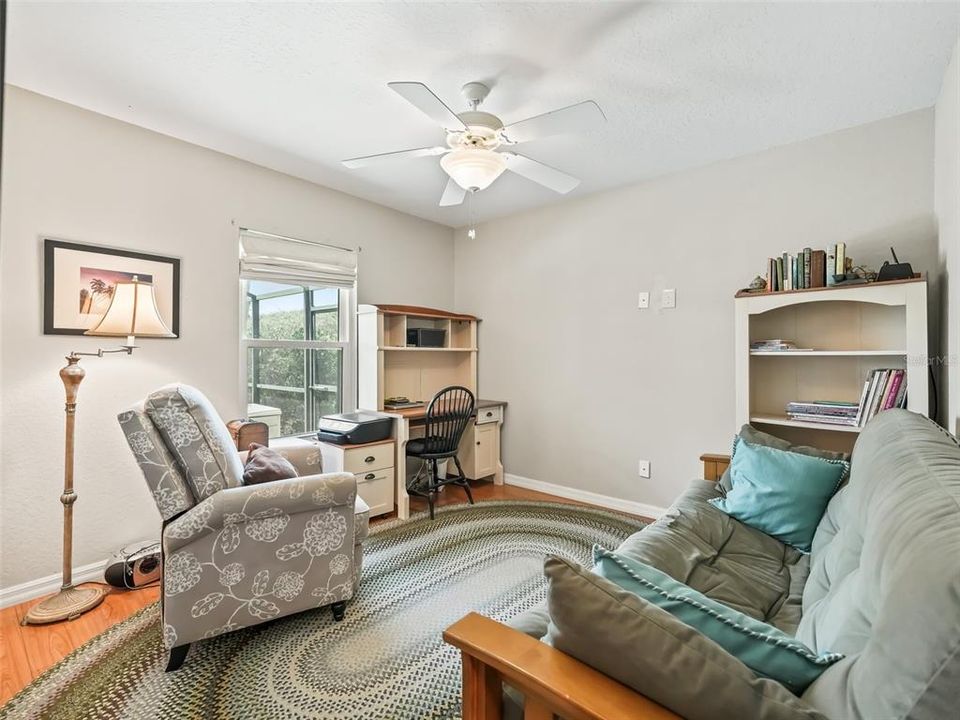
(51, 583)
(585, 496)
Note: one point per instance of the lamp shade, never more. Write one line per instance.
(132, 311)
(473, 168)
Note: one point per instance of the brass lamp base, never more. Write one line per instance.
(68, 604)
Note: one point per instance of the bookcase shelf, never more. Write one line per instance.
(787, 422)
(429, 349)
(854, 331)
(827, 353)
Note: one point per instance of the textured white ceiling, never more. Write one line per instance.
(297, 87)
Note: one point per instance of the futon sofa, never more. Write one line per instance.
(881, 586)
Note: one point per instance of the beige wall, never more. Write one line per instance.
(76, 175)
(947, 205)
(594, 384)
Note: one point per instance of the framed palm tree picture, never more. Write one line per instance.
(79, 280)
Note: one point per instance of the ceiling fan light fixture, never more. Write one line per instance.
(473, 168)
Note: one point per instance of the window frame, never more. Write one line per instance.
(347, 319)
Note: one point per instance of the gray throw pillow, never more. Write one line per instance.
(757, 437)
(640, 645)
(265, 465)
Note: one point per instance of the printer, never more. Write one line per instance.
(354, 428)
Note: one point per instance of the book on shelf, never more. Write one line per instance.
(818, 268)
(884, 389)
(840, 266)
(809, 268)
(777, 345)
(824, 411)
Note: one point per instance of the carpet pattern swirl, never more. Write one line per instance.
(385, 661)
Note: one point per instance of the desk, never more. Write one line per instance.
(484, 435)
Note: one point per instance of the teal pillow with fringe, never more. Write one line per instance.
(781, 493)
(764, 649)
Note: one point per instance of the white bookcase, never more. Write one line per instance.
(852, 330)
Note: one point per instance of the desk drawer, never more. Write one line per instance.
(367, 458)
(376, 489)
(489, 414)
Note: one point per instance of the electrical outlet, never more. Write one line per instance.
(669, 299)
(644, 468)
(644, 301)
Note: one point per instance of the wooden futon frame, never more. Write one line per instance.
(552, 682)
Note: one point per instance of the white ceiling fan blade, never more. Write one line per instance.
(422, 97)
(453, 194)
(359, 162)
(538, 172)
(581, 117)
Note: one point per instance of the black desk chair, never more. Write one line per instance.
(446, 419)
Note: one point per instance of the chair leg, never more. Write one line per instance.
(434, 481)
(339, 610)
(177, 655)
(464, 482)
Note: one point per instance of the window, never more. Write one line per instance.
(298, 351)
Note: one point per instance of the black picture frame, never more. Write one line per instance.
(51, 245)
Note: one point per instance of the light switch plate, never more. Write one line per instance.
(669, 299)
(644, 301)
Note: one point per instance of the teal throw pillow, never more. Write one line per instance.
(781, 493)
(767, 651)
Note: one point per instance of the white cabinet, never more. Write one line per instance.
(373, 467)
(479, 451)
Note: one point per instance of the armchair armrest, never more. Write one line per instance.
(552, 681)
(242, 504)
(303, 454)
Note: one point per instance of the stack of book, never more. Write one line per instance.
(884, 389)
(777, 345)
(823, 411)
(807, 269)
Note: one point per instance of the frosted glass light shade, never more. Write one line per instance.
(132, 311)
(473, 168)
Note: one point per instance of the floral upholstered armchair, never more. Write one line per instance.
(235, 555)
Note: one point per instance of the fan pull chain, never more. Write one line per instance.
(472, 232)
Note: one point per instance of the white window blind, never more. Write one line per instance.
(272, 257)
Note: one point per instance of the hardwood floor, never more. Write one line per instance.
(27, 651)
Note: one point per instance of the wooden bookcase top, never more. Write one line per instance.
(920, 277)
(417, 311)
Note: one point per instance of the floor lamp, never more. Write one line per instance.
(132, 312)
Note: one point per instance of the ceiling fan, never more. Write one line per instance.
(470, 156)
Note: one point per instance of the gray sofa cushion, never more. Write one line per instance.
(727, 561)
(534, 622)
(884, 584)
(646, 648)
(197, 438)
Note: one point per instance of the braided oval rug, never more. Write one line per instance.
(385, 660)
